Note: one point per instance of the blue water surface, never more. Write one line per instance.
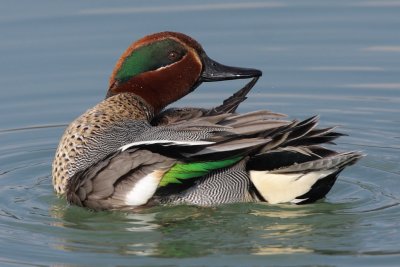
(339, 59)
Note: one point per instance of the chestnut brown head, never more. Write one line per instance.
(163, 67)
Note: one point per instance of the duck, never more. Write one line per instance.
(130, 151)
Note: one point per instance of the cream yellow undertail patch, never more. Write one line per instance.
(281, 188)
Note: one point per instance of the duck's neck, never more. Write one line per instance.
(125, 106)
(156, 96)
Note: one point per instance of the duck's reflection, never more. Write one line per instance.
(184, 231)
(142, 222)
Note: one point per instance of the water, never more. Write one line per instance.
(340, 59)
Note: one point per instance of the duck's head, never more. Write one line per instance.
(163, 67)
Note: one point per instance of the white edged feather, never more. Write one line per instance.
(166, 143)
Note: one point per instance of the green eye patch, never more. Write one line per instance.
(151, 57)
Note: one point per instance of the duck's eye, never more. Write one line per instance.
(172, 56)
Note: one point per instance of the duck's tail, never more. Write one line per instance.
(297, 176)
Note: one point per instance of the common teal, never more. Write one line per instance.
(128, 152)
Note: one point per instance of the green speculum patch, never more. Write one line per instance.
(183, 171)
(150, 57)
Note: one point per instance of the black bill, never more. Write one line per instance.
(214, 71)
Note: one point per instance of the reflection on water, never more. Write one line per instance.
(280, 250)
(283, 212)
(142, 222)
(185, 232)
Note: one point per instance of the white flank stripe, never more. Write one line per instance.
(282, 188)
(166, 143)
(143, 190)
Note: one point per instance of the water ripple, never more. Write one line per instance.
(36, 127)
